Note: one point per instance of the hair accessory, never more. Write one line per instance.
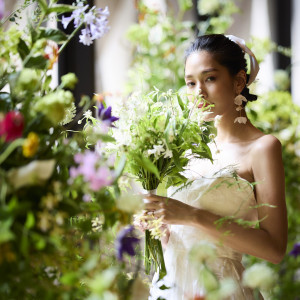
(254, 67)
(238, 100)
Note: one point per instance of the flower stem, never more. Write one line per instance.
(11, 147)
(69, 38)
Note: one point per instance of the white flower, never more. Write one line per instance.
(239, 108)
(202, 252)
(36, 172)
(217, 120)
(168, 153)
(97, 224)
(241, 120)
(259, 276)
(156, 34)
(157, 150)
(238, 100)
(156, 5)
(88, 114)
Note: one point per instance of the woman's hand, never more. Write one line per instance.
(172, 211)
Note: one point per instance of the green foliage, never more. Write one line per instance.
(53, 244)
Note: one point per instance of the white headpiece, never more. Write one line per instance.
(254, 67)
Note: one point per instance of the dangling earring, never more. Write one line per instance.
(238, 100)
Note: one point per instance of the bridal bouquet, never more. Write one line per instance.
(159, 132)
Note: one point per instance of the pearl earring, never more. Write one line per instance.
(238, 100)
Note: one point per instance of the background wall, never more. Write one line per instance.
(111, 55)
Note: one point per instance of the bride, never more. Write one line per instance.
(215, 66)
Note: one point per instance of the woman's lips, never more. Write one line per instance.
(203, 104)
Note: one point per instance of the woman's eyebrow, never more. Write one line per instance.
(203, 72)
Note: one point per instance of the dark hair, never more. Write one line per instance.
(226, 52)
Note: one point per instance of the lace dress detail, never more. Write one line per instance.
(215, 189)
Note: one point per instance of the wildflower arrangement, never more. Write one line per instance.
(159, 132)
(58, 190)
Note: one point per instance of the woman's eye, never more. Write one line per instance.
(190, 84)
(211, 78)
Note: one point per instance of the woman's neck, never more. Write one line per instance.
(230, 132)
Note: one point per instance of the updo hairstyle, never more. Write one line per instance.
(226, 52)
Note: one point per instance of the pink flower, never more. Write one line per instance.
(102, 177)
(94, 175)
(11, 127)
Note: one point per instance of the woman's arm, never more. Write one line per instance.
(269, 241)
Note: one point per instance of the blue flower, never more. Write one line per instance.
(125, 242)
(296, 250)
(105, 114)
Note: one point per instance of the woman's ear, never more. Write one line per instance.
(240, 81)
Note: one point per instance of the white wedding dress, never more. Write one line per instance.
(214, 189)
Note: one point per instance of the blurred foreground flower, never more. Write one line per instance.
(95, 175)
(36, 172)
(31, 144)
(54, 106)
(2, 8)
(296, 250)
(259, 276)
(125, 242)
(11, 127)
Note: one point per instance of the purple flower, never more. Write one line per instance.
(85, 37)
(105, 114)
(296, 250)
(125, 242)
(95, 21)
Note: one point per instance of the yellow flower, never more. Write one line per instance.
(31, 144)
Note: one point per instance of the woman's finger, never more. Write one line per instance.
(151, 206)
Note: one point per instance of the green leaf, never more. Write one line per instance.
(120, 167)
(61, 8)
(23, 48)
(147, 164)
(37, 62)
(177, 160)
(55, 35)
(30, 221)
(163, 287)
(5, 233)
(43, 5)
(69, 278)
(180, 102)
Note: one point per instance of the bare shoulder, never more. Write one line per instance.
(266, 144)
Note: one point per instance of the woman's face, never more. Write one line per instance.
(217, 86)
